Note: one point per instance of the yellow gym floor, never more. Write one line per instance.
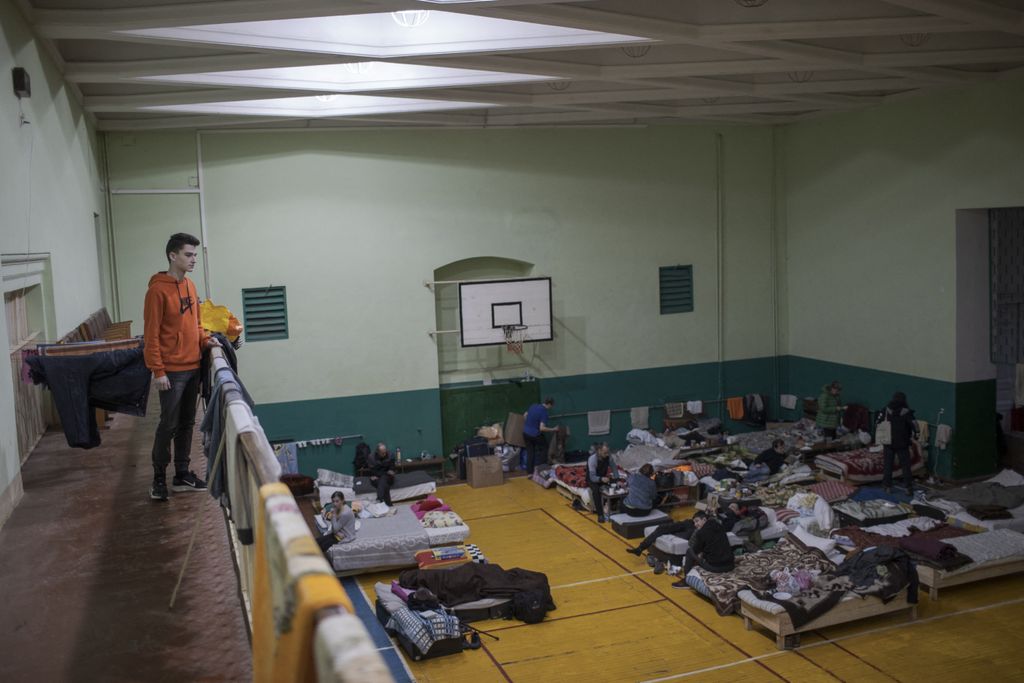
(616, 621)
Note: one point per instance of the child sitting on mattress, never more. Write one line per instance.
(342, 521)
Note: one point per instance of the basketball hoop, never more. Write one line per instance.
(515, 335)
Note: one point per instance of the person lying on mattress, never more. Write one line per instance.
(709, 549)
(768, 462)
(342, 521)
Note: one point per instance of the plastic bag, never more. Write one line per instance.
(220, 319)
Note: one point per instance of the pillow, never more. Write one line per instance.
(435, 519)
(825, 545)
(1007, 478)
(332, 478)
(429, 504)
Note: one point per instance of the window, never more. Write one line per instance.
(266, 313)
(676, 292)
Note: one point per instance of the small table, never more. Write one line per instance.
(422, 464)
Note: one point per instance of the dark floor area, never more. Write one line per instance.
(88, 563)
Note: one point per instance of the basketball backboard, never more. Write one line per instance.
(486, 307)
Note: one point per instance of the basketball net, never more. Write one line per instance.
(515, 335)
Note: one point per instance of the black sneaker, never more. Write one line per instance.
(635, 551)
(187, 481)
(158, 491)
(659, 567)
(681, 585)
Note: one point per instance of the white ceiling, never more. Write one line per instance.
(156, 64)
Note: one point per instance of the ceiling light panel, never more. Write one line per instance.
(318, 106)
(380, 35)
(358, 76)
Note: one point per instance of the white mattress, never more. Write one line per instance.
(397, 494)
(988, 548)
(960, 516)
(582, 493)
(448, 535)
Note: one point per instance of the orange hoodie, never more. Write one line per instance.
(174, 338)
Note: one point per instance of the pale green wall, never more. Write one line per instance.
(49, 190)
(870, 211)
(353, 223)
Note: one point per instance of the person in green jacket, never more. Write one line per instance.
(829, 408)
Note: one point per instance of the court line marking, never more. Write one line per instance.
(607, 578)
(830, 641)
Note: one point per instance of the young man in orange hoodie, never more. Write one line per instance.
(174, 342)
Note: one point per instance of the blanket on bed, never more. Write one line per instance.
(986, 493)
(824, 594)
(753, 571)
(470, 582)
(862, 463)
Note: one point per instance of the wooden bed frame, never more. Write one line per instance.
(788, 637)
(934, 578)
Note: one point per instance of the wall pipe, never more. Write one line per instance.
(202, 215)
(719, 244)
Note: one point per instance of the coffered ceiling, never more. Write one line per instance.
(158, 64)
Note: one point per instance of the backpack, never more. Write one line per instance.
(529, 607)
(361, 461)
(423, 599)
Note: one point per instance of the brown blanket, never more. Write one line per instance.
(475, 582)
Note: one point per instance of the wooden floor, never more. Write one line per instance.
(616, 621)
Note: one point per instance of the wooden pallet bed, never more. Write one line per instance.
(934, 579)
(853, 609)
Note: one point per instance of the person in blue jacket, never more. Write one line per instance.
(533, 433)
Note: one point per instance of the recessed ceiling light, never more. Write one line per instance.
(357, 76)
(320, 106)
(378, 35)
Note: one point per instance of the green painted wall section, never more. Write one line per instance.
(407, 419)
(974, 441)
(870, 216)
(49, 193)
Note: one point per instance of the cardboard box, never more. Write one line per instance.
(484, 470)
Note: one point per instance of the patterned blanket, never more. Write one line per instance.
(753, 571)
(862, 465)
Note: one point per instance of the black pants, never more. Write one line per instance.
(830, 432)
(888, 457)
(326, 541)
(536, 451)
(177, 420)
(595, 493)
(692, 560)
(384, 482)
(635, 512)
(684, 529)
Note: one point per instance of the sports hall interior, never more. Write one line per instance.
(847, 243)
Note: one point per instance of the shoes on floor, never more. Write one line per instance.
(187, 481)
(601, 519)
(577, 505)
(635, 551)
(659, 567)
(673, 570)
(651, 559)
(158, 491)
(681, 585)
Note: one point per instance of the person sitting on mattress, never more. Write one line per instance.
(768, 462)
(342, 521)
(643, 493)
(382, 468)
(709, 549)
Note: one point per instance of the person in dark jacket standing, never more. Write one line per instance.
(709, 548)
(904, 430)
(599, 474)
(535, 424)
(382, 469)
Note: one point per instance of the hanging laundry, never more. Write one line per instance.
(856, 418)
(117, 381)
(695, 407)
(788, 401)
(674, 411)
(599, 422)
(639, 417)
(287, 455)
(943, 433)
(735, 407)
(922, 429)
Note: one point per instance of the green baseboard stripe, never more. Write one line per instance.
(652, 387)
(412, 419)
(407, 419)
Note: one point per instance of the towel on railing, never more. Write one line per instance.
(599, 422)
(695, 407)
(639, 417)
(735, 407)
(943, 433)
(923, 433)
(674, 411)
(788, 401)
(342, 647)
